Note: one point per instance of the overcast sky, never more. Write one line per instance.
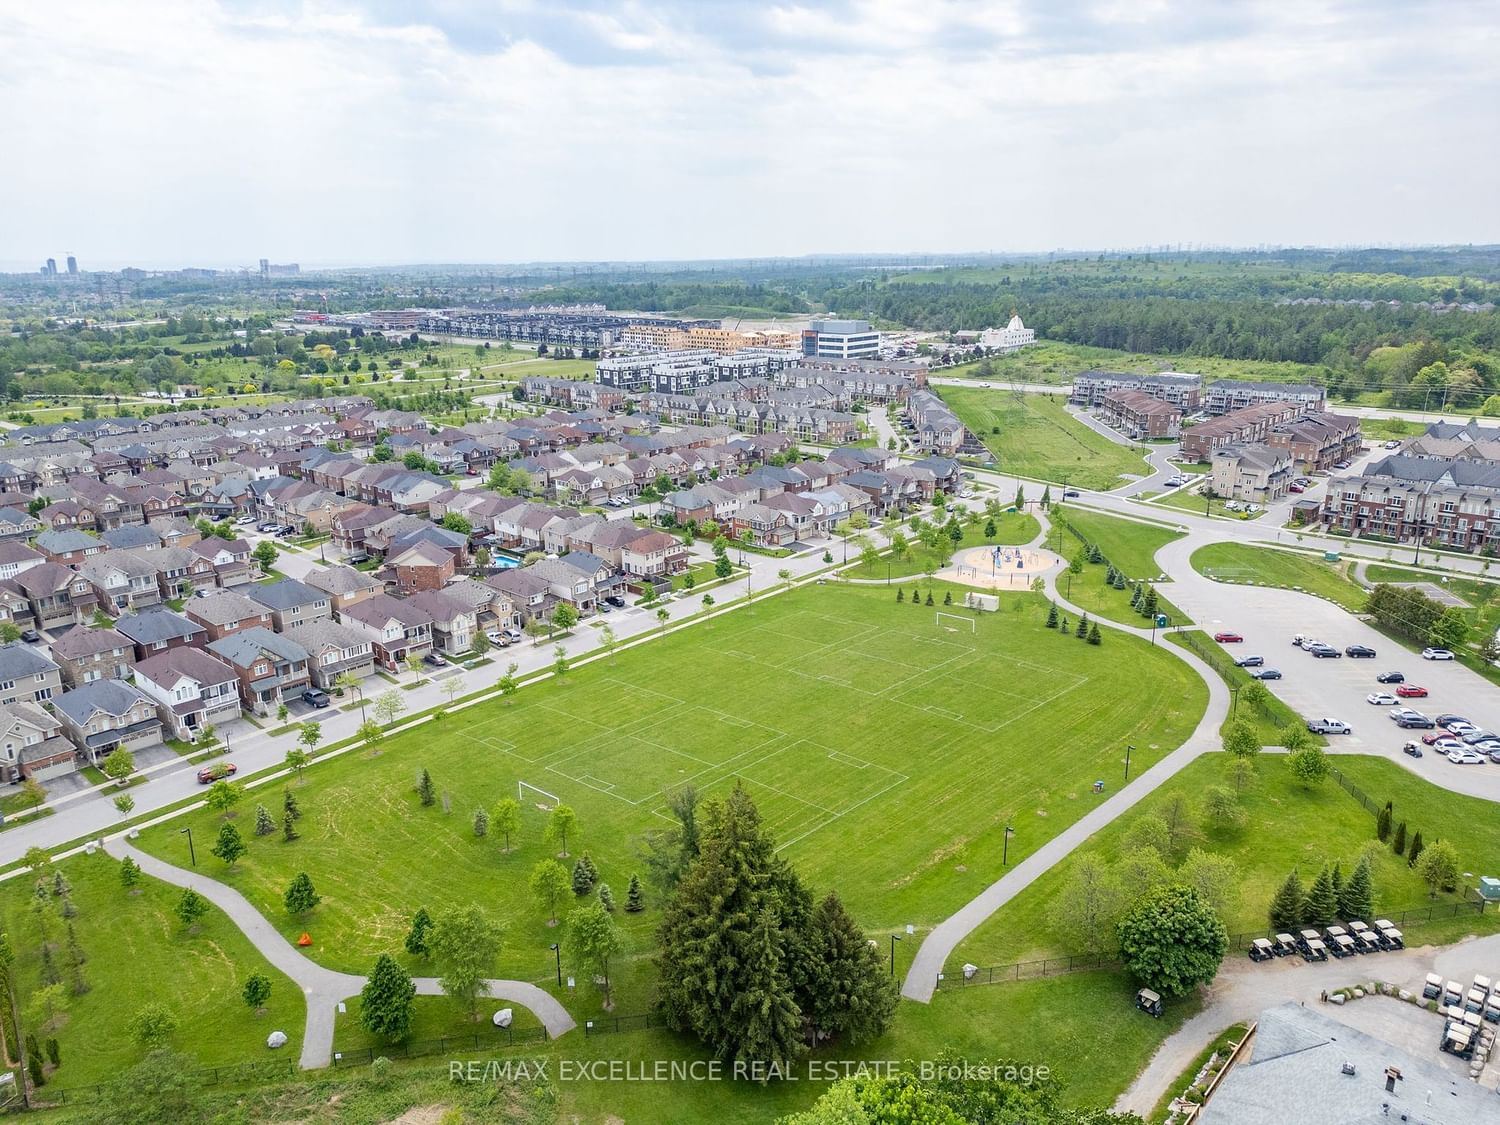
(172, 132)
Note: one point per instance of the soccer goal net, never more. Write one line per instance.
(953, 622)
(546, 801)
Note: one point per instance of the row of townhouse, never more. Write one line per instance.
(935, 427)
(804, 423)
(1451, 504)
(1250, 424)
(1185, 392)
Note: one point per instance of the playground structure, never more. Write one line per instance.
(1000, 568)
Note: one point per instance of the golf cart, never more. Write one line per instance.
(1453, 995)
(1261, 950)
(1392, 938)
(1149, 1002)
(1343, 945)
(1368, 941)
(1286, 945)
(1474, 1001)
(1492, 1008)
(1433, 988)
(1457, 1040)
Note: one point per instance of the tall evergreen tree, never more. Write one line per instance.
(585, 875)
(1383, 823)
(264, 825)
(419, 937)
(1338, 881)
(635, 901)
(1358, 897)
(385, 1002)
(1052, 615)
(1414, 852)
(1082, 631)
(850, 993)
(289, 805)
(719, 949)
(1322, 903)
(1094, 637)
(425, 791)
(1398, 841)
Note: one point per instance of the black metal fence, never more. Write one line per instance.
(1355, 791)
(1023, 970)
(498, 1040)
(240, 1074)
(645, 1021)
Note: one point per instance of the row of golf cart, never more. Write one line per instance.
(1465, 1011)
(1337, 941)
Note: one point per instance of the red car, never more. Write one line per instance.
(1411, 691)
(1228, 638)
(1433, 735)
(217, 772)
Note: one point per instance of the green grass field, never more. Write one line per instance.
(137, 950)
(1129, 545)
(1186, 500)
(1053, 361)
(847, 716)
(1010, 529)
(1286, 825)
(1039, 438)
(1266, 566)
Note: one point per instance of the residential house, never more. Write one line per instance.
(130, 536)
(453, 621)
(1318, 441)
(424, 566)
(107, 715)
(32, 745)
(292, 603)
(579, 578)
(15, 557)
(764, 526)
(122, 580)
(160, 630)
(1249, 424)
(271, 668)
(529, 594)
(1254, 472)
(344, 585)
(17, 524)
(652, 554)
(26, 676)
(397, 629)
(332, 650)
(492, 609)
(230, 559)
(225, 612)
(1139, 415)
(57, 595)
(192, 690)
(85, 655)
(68, 547)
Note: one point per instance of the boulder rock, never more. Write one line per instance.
(503, 1017)
(276, 1039)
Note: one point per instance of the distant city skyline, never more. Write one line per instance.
(175, 133)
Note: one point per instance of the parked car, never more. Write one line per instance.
(1432, 736)
(1465, 758)
(1446, 743)
(1265, 674)
(616, 600)
(1071, 494)
(1473, 736)
(30, 636)
(1458, 726)
(315, 697)
(1490, 746)
(1413, 749)
(1360, 652)
(496, 637)
(357, 558)
(433, 660)
(1448, 720)
(513, 634)
(1228, 638)
(241, 521)
(1411, 691)
(1437, 654)
(1295, 488)
(1324, 652)
(1250, 662)
(1328, 726)
(1390, 678)
(1381, 699)
(1413, 720)
(1394, 443)
(217, 772)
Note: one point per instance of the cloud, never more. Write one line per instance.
(334, 131)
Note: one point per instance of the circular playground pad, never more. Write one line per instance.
(1000, 568)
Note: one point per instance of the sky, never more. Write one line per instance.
(165, 133)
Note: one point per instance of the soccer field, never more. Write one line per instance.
(886, 751)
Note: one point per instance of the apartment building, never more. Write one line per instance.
(1228, 395)
(1139, 415)
(1251, 424)
(1256, 473)
(1182, 391)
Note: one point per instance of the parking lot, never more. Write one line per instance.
(1314, 688)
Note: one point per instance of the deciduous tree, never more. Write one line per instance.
(1172, 941)
(465, 943)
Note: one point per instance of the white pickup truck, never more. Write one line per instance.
(1328, 726)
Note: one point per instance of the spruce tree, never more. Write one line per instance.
(1094, 637)
(419, 936)
(1338, 882)
(1082, 631)
(130, 874)
(385, 1003)
(1415, 851)
(1398, 841)
(1383, 823)
(1358, 897)
(289, 805)
(289, 826)
(1052, 615)
(929, 598)
(584, 875)
(606, 897)
(1322, 903)
(300, 896)
(635, 901)
(1119, 582)
(850, 994)
(425, 792)
(720, 967)
(948, 597)
(481, 823)
(264, 825)
(900, 594)
(916, 595)
(1135, 598)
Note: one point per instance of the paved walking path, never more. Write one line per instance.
(938, 946)
(322, 988)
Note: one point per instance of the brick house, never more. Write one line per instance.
(270, 668)
(32, 745)
(224, 613)
(107, 715)
(424, 566)
(85, 655)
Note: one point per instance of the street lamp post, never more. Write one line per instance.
(1005, 851)
(1128, 749)
(557, 951)
(191, 853)
(894, 939)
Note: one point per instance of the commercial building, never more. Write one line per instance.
(1253, 423)
(1139, 415)
(1182, 391)
(1228, 395)
(840, 339)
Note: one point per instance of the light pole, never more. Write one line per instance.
(1005, 851)
(1128, 749)
(894, 939)
(557, 951)
(191, 852)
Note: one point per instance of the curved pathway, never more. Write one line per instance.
(938, 946)
(322, 988)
